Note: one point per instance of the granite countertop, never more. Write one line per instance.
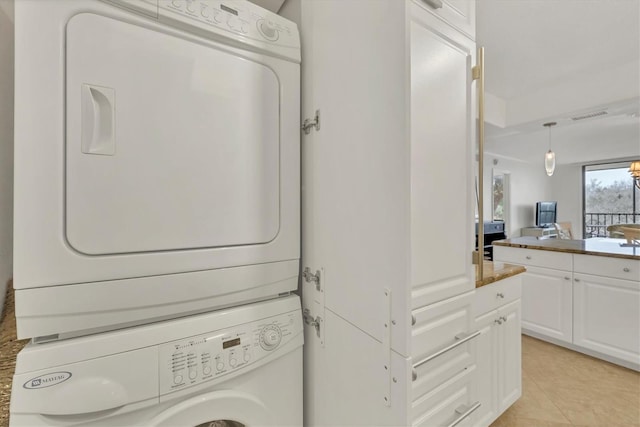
(494, 271)
(602, 246)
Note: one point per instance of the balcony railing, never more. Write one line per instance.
(595, 224)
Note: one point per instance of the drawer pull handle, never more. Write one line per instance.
(436, 4)
(464, 412)
(567, 278)
(500, 295)
(460, 339)
(528, 257)
(626, 269)
(576, 280)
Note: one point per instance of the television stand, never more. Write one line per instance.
(549, 232)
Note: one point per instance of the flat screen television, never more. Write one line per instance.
(546, 213)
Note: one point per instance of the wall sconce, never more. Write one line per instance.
(634, 170)
(550, 156)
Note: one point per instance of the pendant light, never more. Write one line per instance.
(550, 156)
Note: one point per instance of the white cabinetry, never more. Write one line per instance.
(546, 290)
(393, 82)
(547, 302)
(499, 350)
(606, 309)
(589, 303)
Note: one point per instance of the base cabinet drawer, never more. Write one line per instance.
(533, 257)
(618, 268)
(452, 403)
(440, 325)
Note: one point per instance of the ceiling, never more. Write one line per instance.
(574, 53)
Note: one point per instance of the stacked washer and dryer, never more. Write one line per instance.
(156, 214)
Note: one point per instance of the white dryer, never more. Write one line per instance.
(156, 161)
(242, 366)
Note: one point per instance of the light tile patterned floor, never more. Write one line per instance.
(563, 388)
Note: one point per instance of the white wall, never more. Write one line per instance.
(566, 188)
(6, 145)
(528, 184)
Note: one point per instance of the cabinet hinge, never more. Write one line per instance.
(476, 72)
(312, 321)
(311, 123)
(309, 277)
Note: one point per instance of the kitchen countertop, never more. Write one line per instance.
(494, 271)
(601, 246)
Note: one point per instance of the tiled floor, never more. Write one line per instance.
(564, 388)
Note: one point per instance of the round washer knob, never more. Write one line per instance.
(177, 379)
(268, 30)
(220, 366)
(270, 337)
(247, 357)
(233, 362)
(206, 370)
(193, 374)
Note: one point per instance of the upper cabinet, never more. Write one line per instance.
(461, 14)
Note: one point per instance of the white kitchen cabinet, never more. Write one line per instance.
(499, 352)
(606, 316)
(584, 301)
(547, 303)
(385, 221)
(509, 356)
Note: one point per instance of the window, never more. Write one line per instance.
(610, 198)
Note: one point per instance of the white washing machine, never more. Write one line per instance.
(156, 161)
(234, 367)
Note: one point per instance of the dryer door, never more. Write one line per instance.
(171, 144)
(226, 408)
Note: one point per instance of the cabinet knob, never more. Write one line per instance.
(576, 280)
(626, 269)
(528, 257)
(500, 295)
(567, 278)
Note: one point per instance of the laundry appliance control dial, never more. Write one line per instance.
(270, 337)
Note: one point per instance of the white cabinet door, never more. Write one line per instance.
(441, 119)
(607, 316)
(486, 360)
(509, 355)
(547, 302)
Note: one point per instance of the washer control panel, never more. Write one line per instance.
(202, 358)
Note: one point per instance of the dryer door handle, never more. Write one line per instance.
(98, 120)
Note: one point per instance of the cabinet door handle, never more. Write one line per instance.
(626, 269)
(464, 412)
(413, 320)
(460, 339)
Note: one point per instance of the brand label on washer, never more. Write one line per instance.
(47, 380)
